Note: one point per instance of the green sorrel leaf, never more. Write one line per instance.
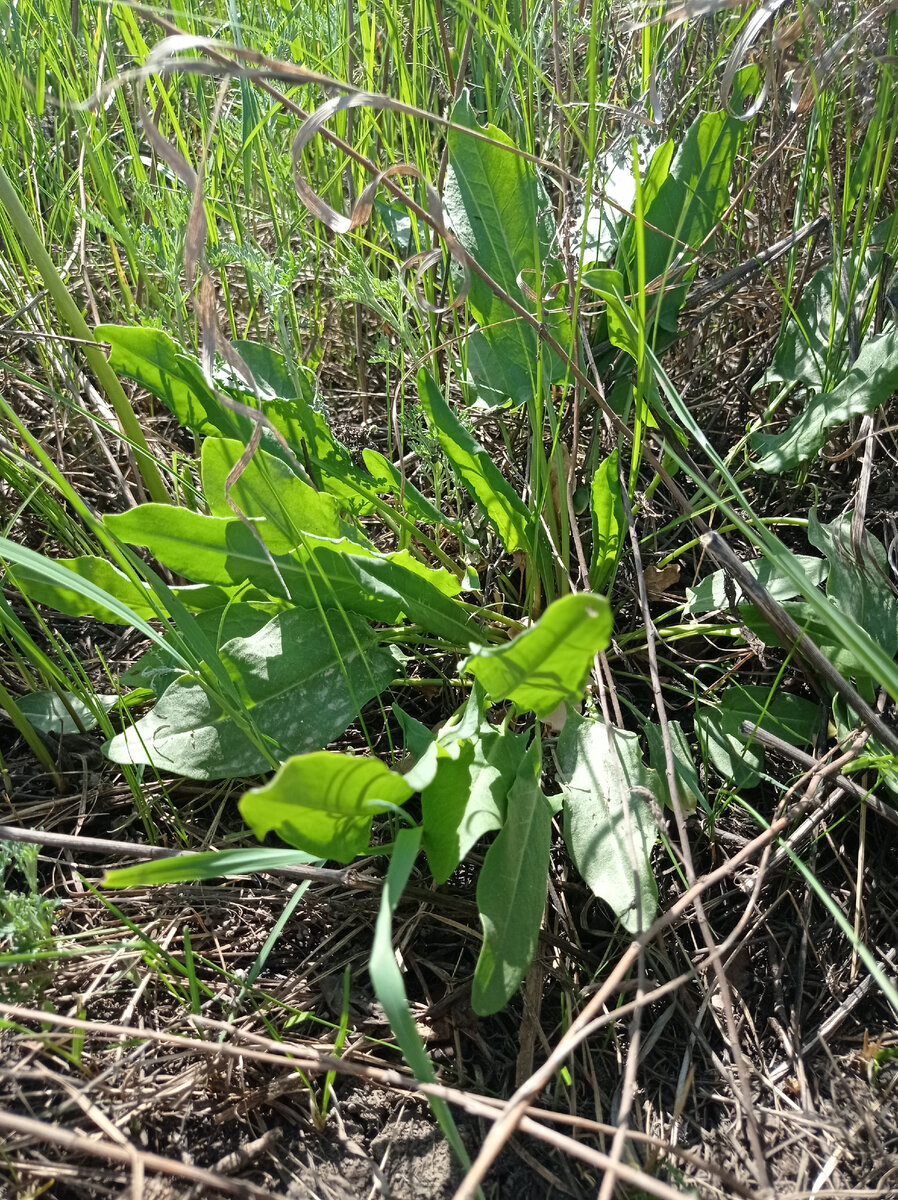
(56, 576)
(48, 713)
(609, 524)
(511, 890)
(155, 361)
(329, 572)
(301, 681)
(549, 662)
(502, 216)
(861, 588)
(74, 603)
(239, 619)
(283, 505)
(504, 508)
(789, 717)
(686, 206)
(324, 803)
(476, 764)
(186, 868)
(814, 342)
(710, 594)
(870, 382)
(607, 811)
(688, 787)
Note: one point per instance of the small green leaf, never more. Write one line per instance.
(870, 382)
(56, 576)
(155, 361)
(501, 214)
(506, 511)
(830, 636)
(272, 375)
(70, 600)
(710, 594)
(549, 662)
(47, 712)
(334, 572)
(789, 717)
(608, 823)
(861, 587)
(511, 890)
(324, 803)
(476, 764)
(284, 506)
(608, 523)
(187, 868)
(814, 342)
(620, 319)
(688, 786)
(690, 199)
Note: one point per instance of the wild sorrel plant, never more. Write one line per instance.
(289, 603)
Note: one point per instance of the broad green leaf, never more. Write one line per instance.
(870, 382)
(417, 741)
(155, 361)
(58, 577)
(70, 600)
(299, 688)
(609, 524)
(267, 491)
(324, 803)
(511, 890)
(475, 765)
(389, 988)
(211, 864)
(492, 376)
(331, 572)
(656, 173)
(549, 662)
(243, 618)
(862, 590)
(388, 587)
(789, 717)
(136, 597)
(272, 375)
(506, 511)
(710, 594)
(874, 660)
(686, 206)
(48, 713)
(608, 823)
(202, 548)
(502, 216)
(688, 787)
